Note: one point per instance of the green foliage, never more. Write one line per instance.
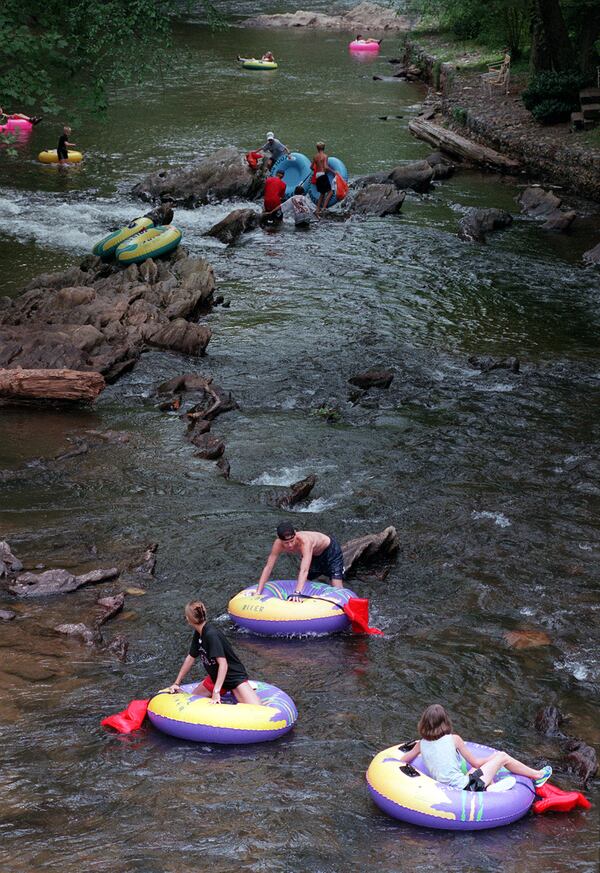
(437, 68)
(551, 97)
(496, 22)
(52, 53)
(459, 115)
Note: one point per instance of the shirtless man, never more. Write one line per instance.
(321, 555)
(321, 167)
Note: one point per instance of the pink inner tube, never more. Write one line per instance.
(355, 46)
(13, 123)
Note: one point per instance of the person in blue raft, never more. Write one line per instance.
(441, 749)
(320, 554)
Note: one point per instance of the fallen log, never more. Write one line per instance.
(461, 147)
(51, 384)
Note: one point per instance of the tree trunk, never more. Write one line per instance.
(551, 47)
(50, 384)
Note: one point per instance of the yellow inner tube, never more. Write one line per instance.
(50, 156)
(244, 605)
(255, 64)
(149, 244)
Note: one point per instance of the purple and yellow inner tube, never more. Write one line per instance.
(271, 614)
(196, 718)
(408, 792)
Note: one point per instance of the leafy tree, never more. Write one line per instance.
(52, 52)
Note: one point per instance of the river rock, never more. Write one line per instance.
(56, 582)
(548, 721)
(119, 647)
(7, 614)
(221, 176)
(197, 430)
(224, 467)
(377, 199)
(234, 225)
(477, 222)
(296, 493)
(487, 364)
(371, 548)
(560, 220)
(581, 759)
(111, 606)
(211, 447)
(592, 256)
(376, 377)
(90, 636)
(417, 176)
(9, 564)
(526, 639)
(538, 203)
(363, 18)
(102, 317)
(441, 166)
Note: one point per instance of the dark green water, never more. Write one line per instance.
(492, 481)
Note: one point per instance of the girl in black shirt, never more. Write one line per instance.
(225, 670)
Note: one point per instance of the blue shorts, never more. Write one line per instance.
(329, 563)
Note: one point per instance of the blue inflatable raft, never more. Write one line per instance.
(296, 171)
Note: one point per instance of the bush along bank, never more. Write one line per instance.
(461, 101)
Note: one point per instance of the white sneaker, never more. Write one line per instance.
(502, 785)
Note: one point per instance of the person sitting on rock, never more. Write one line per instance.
(361, 38)
(321, 555)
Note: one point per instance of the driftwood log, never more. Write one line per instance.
(461, 147)
(51, 384)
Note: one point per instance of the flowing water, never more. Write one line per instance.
(492, 481)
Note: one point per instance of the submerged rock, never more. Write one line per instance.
(527, 639)
(442, 167)
(210, 447)
(373, 378)
(90, 636)
(537, 202)
(548, 721)
(111, 606)
(487, 364)
(560, 220)
(102, 317)
(230, 228)
(376, 547)
(581, 760)
(221, 176)
(592, 256)
(7, 614)
(477, 222)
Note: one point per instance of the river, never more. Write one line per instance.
(492, 480)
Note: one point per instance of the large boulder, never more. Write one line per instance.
(230, 228)
(477, 222)
(537, 202)
(102, 317)
(442, 167)
(377, 199)
(416, 176)
(363, 18)
(371, 548)
(221, 176)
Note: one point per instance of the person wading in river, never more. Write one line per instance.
(321, 555)
(225, 670)
(320, 164)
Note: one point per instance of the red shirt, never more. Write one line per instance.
(274, 192)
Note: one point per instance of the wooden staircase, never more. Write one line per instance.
(589, 114)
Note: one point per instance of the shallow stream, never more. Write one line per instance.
(492, 481)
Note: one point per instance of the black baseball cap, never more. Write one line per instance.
(286, 530)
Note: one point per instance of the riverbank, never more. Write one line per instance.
(550, 154)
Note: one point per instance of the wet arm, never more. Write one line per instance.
(266, 573)
(304, 568)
